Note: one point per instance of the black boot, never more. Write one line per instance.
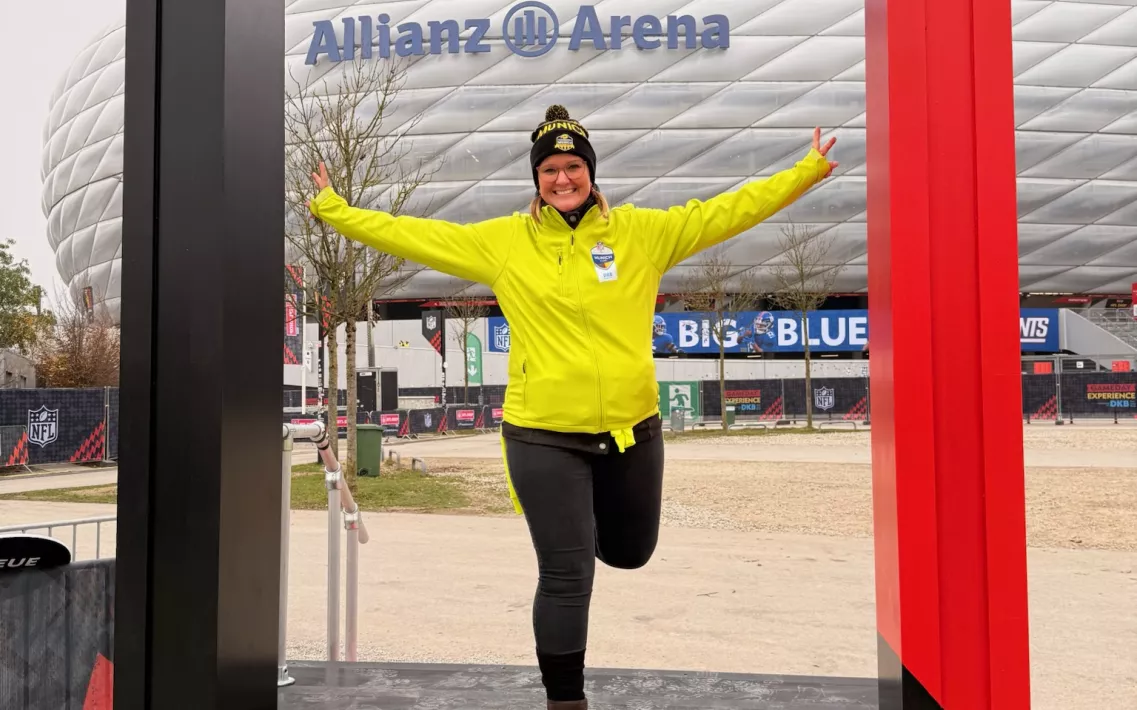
(563, 678)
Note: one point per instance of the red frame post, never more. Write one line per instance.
(949, 510)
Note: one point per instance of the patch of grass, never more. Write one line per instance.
(396, 489)
(86, 494)
(714, 431)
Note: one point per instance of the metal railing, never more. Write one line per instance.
(340, 502)
(74, 525)
(1119, 322)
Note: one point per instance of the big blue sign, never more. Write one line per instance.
(760, 332)
(780, 332)
(529, 29)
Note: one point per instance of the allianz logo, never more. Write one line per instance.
(530, 29)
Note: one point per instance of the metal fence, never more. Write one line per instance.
(1070, 388)
(1064, 388)
(85, 535)
(45, 426)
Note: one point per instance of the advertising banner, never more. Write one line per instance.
(39, 426)
(293, 314)
(781, 332)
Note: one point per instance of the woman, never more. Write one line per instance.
(577, 281)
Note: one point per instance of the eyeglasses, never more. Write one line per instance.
(572, 170)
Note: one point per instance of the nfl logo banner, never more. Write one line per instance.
(824, 398)
(43, 426)
(433, 329)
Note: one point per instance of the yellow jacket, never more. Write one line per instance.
(579, 303)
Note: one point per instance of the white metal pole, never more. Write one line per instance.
(331, 479)
(304, 370)
(352, 604)
(283, 679)
(339, 500)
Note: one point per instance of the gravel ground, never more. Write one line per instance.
(1083, 508)
(1039, 437)
(1066, 508)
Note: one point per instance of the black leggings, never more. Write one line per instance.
(583, 500)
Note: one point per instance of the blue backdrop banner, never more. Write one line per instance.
(780, 332)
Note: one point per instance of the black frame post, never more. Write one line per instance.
(203, 259)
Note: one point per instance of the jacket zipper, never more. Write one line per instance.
(560, 270)
(588, 330)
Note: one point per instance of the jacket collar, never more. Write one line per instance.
(574, 218)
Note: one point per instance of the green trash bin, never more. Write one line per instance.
(368, 449)
(730, 415)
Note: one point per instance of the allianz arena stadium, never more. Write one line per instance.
(670, 121)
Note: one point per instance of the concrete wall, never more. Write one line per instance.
(16, 370)
(419, 365)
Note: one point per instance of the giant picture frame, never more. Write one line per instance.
(948, 499)
(199, 523)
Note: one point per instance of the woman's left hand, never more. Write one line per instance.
(824, 150)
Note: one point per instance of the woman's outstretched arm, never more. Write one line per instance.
(476, 252)
(679, 233)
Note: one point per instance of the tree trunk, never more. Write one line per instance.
(347, 463)
(465, 366)
(808, 374)
(333, 388)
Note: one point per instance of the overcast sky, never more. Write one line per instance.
(40, 40)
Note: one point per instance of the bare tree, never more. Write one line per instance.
(464, 310)
(344, 126)
(803, 279)
(79, 349)
(719, 288)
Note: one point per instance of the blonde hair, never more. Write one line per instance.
(537, 203)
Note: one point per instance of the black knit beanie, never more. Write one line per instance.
(561, 134)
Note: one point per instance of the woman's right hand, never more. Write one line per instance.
(321, 179)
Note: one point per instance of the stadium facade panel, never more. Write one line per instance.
(670, 122)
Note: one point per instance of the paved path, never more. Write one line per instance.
(23, 484)
(459, 589)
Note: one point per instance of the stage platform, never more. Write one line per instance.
(368, 686)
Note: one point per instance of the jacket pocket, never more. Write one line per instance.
(525, 386)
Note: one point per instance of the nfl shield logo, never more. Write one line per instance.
(431, 322)
(823, 398)
(43, 426)
(427, 419)
(501, 337)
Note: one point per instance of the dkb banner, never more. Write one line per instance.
(750, 398)
(459, 418)
(395, 424)
(1099, 394)
(492, 417)
(40, 426)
